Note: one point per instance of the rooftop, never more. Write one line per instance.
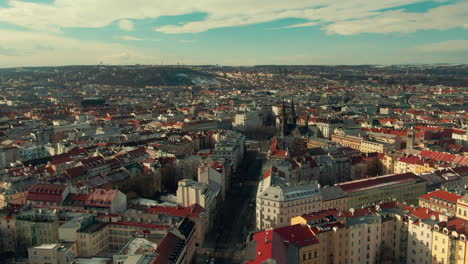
(441, 195)
(377, 182)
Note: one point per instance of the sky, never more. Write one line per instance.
(232, 32)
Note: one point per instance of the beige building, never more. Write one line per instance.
(55, 253)
(328, 226)
(405, 187)
(36, 227)
(440, 201)
(190, 192)
(368, 146)
(347, 141)
(327, 127)
(449, 242)
(462, 207)
(14, 190)
(278, 201)
(375, 234)
(362, 144)
(7, 232)
(420, 240)
(215, 171)
(364, 239)
(333, 197)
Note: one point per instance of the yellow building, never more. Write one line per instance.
(405, 187)
(347, 141)
(289, 244)
(328, 226)
(333, 197)
(449, 242)
(54, 253)
(412, 164)
(368, 146)
(440, 201)
(7, 232)
(34, 228)
(93, 239)
(462, 207)
(361, 144)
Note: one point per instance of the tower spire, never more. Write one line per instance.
(282, 124)
(293, 112)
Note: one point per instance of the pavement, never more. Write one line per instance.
(237, 217)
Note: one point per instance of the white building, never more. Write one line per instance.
(8, 155)
(231, 146)
(190, 192)
(55, 253)
(364, 239)
(109, 201)
(278, 201)
(34, 152)
(420, 240)
(217, 172)
(327, 127)
(247, 121)
(460, 136)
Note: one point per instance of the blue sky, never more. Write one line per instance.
(232, 32)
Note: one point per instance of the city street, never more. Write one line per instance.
(237, 215)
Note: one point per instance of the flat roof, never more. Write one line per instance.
(46, 246)
(376, 182)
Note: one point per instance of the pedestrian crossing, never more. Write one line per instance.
(231, 245)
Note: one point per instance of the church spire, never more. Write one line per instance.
(282, 124)
(293, 112)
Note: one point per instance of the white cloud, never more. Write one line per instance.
(307, 24)
(440, 18)
(187, 40)
(37, 49)
(126, 25)
(446, 46)
(129, 38)
(337, 16)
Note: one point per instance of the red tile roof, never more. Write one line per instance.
(273, 243)
(164, 249)
(441, 195)
(146, 225)
(376, 182)
(321, 214)
(296, 235)
(457, 224)
(46, 193)
(101, 198)
(420, 212)
(75, 172)
(192, 211)
(415, 160)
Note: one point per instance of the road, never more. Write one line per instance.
(238, 213)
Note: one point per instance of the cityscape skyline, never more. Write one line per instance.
(64, 32)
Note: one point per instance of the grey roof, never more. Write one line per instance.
(332, 193)
(278, 189)
(366, 219)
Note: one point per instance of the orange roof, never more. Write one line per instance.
(441, 195)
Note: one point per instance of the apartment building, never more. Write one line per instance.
(53, 253)
(440, 201)
(294, 244)
(449, 242)
(405, 187)
(278, 201)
